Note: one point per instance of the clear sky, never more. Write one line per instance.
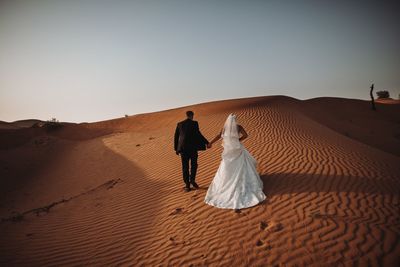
(93, 60)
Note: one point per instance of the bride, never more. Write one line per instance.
(236, 184)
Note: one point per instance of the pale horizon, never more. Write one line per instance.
(98, 60)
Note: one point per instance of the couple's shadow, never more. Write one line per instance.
(291, 183)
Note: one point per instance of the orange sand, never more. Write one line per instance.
(330, 166)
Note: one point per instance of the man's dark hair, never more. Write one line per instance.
(189, 114)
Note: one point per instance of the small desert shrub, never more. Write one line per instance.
(52, 124)
(383, 94)
(126, 115)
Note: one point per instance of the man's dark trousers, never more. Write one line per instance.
(189, 156)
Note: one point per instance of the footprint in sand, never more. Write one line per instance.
(263, 225)
(173, 241)
(260, 243)
(275, 227)
(271, 226)
(195, 196)
(176, 211)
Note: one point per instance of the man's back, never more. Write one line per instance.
(187, 142)
(188, 135)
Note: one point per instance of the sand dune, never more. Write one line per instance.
(110, 193)
(18, 124)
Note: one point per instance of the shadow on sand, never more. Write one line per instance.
(287, 183)
(112, 211)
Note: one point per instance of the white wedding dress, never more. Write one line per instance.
(237, 184)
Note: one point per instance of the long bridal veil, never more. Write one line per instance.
(230, 138)
(236, 184)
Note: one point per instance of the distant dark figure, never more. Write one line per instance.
(372, 97)
(188, 140)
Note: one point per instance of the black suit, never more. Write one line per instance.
(188, 141)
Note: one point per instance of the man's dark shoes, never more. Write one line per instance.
(195, 185)
(187, 188)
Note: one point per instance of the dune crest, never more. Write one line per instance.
(330, 168)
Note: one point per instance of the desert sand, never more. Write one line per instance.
(111, 193)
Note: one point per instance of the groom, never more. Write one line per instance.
(187, 142)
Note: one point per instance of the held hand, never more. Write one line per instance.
(209, 145)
